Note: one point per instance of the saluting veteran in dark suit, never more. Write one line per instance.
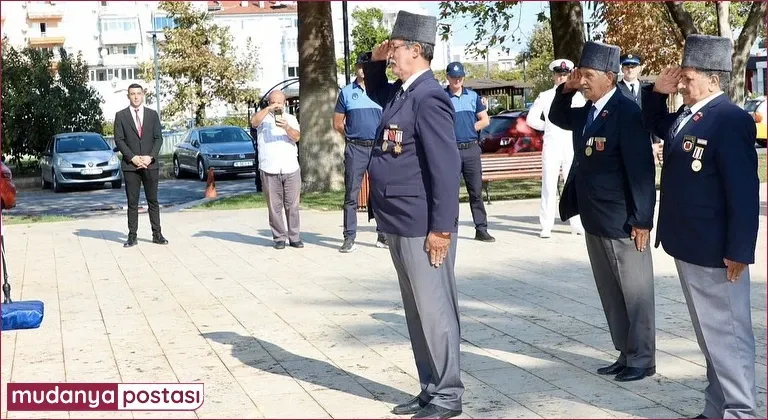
(708, 215)
(414, 178)
(611, 185)
(139, 137)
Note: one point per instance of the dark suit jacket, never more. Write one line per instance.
(613, 189)
(127, 137)
(638, 98)
(711, 214)
(416, 191)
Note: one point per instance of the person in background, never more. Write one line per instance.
(139, 137)
(277, 133)
(557, 151)
(471, 117)
(356, 117)
(631, 86)
(709, 215)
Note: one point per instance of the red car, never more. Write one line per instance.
(7, 188)
(509, 133)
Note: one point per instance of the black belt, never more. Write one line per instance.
(466, 144)
(364, 143)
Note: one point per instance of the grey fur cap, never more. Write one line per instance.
(707, 52)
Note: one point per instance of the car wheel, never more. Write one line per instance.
(117, 184)
(176, 168)
(761, 142)
(202, 174)
(56, 186)
(43, 183)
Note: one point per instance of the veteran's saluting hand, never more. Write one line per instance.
(668, 81)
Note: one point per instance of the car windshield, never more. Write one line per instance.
(81, 143)
(751, 106)
(223, 135)
(498, 125)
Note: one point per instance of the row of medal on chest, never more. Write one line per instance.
(689, 142)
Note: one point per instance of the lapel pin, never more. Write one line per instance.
(697, 116)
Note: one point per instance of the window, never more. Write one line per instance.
(103, 4)
(81, 143)
(293, 71)
(118, 25)
(43, 28)
(101, 75)
(92, 75)
(162, 22)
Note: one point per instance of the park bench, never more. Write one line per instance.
(496, 167)
(504, 166)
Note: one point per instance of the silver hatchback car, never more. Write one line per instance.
(72, 159)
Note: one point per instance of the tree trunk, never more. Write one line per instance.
(681, 17)
(200, 107)
(741, 49)
(567, 23)
(723, 15)
(321, 151)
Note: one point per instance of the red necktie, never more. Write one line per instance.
(138, 123)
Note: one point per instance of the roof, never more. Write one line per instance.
(226, 8)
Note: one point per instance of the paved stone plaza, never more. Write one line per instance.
(313, 333)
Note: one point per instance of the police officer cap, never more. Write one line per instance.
(414, 27)
(707, 52)
(562, 65)
(455, 69)
(600, 57)
(628, 59)
(364, 57)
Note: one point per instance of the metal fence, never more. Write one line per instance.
(170, 140)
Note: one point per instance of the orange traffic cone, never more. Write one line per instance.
(210, 189)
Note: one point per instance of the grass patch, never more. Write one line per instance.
(32, 219)
(334, 200)
(762, 169)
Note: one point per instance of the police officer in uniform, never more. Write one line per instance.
(557, 151)
(471, 117)
(612, 187)
(414, 174)
(356, 118)
(709, 215)
(630, 85)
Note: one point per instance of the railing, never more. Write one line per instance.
(170, 140)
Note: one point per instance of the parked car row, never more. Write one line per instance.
(226, 149)
(509, 133)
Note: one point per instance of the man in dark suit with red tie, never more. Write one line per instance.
(138, 136)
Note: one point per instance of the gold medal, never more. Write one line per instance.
(398, 149)
(588, 151)
(384, 146)
(696, 165)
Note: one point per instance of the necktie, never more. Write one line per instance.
(686, 112)
(632, 89)
(138, 123)
(590, 117)
(399, 94)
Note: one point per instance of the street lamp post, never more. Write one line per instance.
(157, 69)
(345, 21)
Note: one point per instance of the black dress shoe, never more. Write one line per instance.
(484, 236)
(160, 240)
(411, 407)
(613, 369)
(635, 374)
(130, 242)
(297, 244)
(280, 245)
(432, 411)
(700, 416)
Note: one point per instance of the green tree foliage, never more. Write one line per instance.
(368, 31)
(39, 102)
(199, 64)
(540, 53)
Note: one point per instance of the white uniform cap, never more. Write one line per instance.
(561, 64)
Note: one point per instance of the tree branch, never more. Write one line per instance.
(723, 18)
(681, 17)
(748, 33)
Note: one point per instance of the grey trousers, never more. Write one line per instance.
(431, 307)
(282, 193)
(624, 279)
(722, 319)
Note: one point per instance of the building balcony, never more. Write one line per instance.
(120, 38)
(44, 11)
(119, 60)
(46, 39)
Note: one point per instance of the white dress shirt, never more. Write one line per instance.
(636, 85)
(141, 115)
(600, 104)
(696, 108)
(278, 154)
(413, 78)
